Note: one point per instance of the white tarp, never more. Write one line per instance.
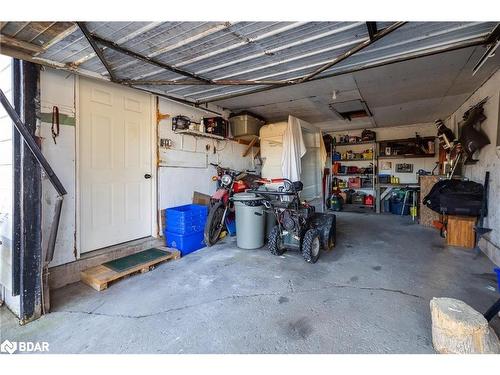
(293, 149)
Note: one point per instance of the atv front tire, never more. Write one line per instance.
(275, 242)
(332, 239)
(311, 245)
(332, 236)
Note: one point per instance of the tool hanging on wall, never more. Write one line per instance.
(471, 139)
(55, 123)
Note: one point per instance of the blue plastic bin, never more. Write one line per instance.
(396, 207)
(231, 226)
(497, 270)
(387, 205)
(186, 219)
(185, 243)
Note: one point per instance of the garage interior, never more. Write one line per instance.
(140, 132)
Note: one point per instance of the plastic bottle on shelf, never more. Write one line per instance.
(202, 126)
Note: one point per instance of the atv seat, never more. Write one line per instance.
(298, 186)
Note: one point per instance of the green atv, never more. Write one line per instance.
(298, 227)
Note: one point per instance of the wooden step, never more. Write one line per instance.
(99, 277)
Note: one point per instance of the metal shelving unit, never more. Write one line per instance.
(196, 133)
(407, 156)
(351, 174)
(356, 143)
(373, 160)
(382, 190)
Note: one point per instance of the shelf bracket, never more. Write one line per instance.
(249, 147)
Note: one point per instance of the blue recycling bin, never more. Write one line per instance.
(497, 270)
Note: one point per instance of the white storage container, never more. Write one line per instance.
(245, 126)
(271, 148)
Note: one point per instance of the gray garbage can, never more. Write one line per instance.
(250, 220)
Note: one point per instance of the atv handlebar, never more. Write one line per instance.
(267, 192)
(274, 180)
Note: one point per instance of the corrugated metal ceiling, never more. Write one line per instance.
(278, 51)
(407, 92)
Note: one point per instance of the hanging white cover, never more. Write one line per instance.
(293, 149)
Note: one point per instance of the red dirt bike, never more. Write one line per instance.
(229, 183)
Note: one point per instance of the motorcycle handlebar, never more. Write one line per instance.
(234, 171)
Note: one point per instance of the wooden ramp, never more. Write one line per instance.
(99, 277)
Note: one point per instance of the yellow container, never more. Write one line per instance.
(413, 211)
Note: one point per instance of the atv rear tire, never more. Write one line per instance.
(311, 246)
(275, 242)
(325, 224)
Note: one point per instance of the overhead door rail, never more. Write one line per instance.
(194, 79)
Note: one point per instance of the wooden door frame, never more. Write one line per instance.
(153, 161)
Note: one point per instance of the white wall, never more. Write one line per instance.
(184, 168)
(398, 132)
(57, 88)
(489, 156)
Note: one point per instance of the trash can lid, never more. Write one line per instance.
(246, 197)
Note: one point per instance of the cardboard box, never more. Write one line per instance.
(200, 198)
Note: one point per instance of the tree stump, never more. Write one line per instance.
(459, 329)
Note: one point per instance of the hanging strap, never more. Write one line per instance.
(55, 123)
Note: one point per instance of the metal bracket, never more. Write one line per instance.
(372, 29)
(112, 45)
(96, 49)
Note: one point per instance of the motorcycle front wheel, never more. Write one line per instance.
(214, 224)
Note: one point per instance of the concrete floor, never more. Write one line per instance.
(370, 295)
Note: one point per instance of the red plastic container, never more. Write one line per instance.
(368, 200)
(354, 182)
(336, 168)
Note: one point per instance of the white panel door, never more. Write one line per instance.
(114, 159)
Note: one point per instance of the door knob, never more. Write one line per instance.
(147, 175)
